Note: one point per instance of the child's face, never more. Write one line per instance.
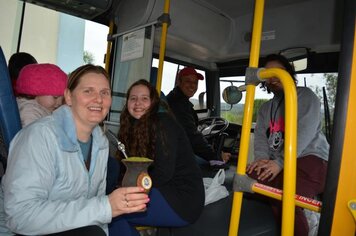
(50, 102)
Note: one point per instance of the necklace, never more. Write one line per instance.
(274, 133)
(273, 115)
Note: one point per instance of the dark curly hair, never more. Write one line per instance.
(284, 62)
(139, 136)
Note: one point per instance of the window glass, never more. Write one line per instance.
(234, 113)
(316, 82)
(324, 86)
(95, 47)
(60, 39)
(169, 77)
(319, 82)
(132, 61)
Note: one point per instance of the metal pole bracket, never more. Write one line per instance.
(242, 183)
(252, 77)
(164, 18)
(352, 208)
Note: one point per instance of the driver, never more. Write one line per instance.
(178, 100)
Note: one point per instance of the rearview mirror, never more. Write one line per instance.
(232, 95)
(298, 56)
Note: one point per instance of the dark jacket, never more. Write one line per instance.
(185, 114)
(174, 171)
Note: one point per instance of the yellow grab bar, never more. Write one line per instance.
(162, 48)
(247, 119)
(290, 132)
(108, 47)
(301, 201)
(290, 144)
(290, 150)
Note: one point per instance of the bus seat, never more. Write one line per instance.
(153, 75)
(9, 114)
(153, 81)
(10, 122)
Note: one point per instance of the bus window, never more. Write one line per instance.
(169, 75)
(168, 83)
(324, 86)
(234, 113)
(132, 60)
(316, 82)
(61, 39)
(95, 47)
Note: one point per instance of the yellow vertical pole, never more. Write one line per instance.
(108, 47)
(247, 119)
(162, 48)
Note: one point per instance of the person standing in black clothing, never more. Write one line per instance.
(178, 100)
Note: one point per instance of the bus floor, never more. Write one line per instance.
(256, 215)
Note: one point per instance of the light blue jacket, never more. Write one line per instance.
(47, 187)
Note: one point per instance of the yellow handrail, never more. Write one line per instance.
(290, 132)
(301, 201)
(108, 47)
(248, 111)
(290, 144)
(290, 151)
(162, 48)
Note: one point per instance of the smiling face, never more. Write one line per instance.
(188, 84)
(90, 100)
(274, 84)
(139, 101)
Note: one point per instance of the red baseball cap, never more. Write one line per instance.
(190, 71)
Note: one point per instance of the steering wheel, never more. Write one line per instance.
(212, 126)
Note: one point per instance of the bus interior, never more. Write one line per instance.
(154, 39)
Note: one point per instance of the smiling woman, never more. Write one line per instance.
(57, 167)
(148, 129)
(139, 101)
(89, 96)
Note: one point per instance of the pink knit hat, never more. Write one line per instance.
(41, 80)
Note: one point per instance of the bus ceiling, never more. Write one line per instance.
(209, 33)
(95, 10)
